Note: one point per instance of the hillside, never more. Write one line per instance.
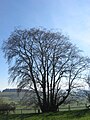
(9, 95)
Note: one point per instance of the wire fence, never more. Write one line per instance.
(68, 108)
(22, 112)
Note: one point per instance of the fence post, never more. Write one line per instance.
(21, 111)
(21, 115)
(5, 116)
(38, 110)
(69, 107)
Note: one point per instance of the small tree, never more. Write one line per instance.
(46, 62)
(87, 92)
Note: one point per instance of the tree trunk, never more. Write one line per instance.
(50, 108)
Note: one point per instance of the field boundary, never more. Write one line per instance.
(30, 110)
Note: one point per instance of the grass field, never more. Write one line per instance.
(63, 115)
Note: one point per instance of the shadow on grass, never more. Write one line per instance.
(81, 113)
(70, 114)
(75, 113)
(62, 114)
(21, 116)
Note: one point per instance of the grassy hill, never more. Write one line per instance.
(11, 95)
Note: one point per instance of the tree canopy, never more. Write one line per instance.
(46, 62)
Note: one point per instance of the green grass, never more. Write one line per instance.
(63, 115)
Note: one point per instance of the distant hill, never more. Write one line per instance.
(14, 90)
(12, 94)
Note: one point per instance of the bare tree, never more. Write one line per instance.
(46, 62)
(87, 92)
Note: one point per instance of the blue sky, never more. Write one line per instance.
(72, 17)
